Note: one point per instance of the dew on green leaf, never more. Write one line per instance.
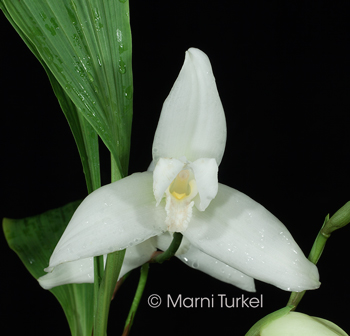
(53, 21)
(48, 53)
(90, 77)
(50, 29)
(97, 20)
(43, 16)
(128, 92)
(119, 35)
(99, 61)
(60, 69)
(121, 48)
(122, 66)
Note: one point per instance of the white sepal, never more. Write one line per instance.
(241, 233)
(192, 122)
(78, 271)
(82, 271)
(201, 261)
(114, 217)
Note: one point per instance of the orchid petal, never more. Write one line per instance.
(77, 271)
(217, 269)
(151, 166)
(112, 218)
(82, 271)
(192, 122)
(164, 173)
(201, 261)
(137, 255)
(243, 234)
(206, 176)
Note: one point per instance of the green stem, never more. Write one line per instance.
(170, 252)
(314, 256)
(113, 266)
(340, 219)
(137, 298)
(295, 298)
(318, 247)
(98, 275)
(105, 280)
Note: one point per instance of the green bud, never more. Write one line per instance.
(255, 330)
(298, 324)
(338, 220)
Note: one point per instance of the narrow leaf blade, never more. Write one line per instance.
(33, 239)
(85, 136)
(86, 44)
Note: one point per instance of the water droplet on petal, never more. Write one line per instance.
(195, 264)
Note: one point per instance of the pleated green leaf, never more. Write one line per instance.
(85, 136)
(86, 45)
(33, 239)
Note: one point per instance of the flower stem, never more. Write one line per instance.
(105, 280)
(111, 274)
(170, 252)
(337, 221)
(314, 256)
(98, 275)
(137, 298)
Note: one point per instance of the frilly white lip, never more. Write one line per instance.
(224, 226)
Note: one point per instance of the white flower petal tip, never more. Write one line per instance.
(200, 261)
(217, 269)
(78, 271)
(242, 234)
(82, 271)
(114, 217)
(298, 324)
(192, 122)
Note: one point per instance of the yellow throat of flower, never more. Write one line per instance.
(180, 187)
(179, 202)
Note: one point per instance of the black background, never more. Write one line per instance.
(282, 71)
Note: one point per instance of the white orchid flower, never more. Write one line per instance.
(298, 324)
(222, 226)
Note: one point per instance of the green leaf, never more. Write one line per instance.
(85, 136)
(33, 239)
(86, 44)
